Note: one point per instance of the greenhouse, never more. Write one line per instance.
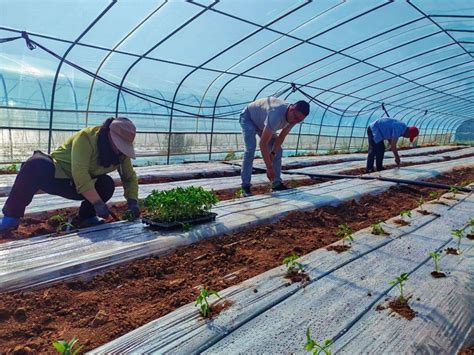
(236, 176)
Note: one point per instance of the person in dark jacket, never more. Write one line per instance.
(77, 170)
(386, 129)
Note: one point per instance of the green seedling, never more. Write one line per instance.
(202, 302)
(345, 232)
(421, 202)
(471, 224)
(332, 151)
(454, 190)
(57, 219)
(312, 345)
(179, 204)
(291, 264)
(230, 156)
(405, 213)
(458, 233)
(128, 216)
(239, 193)
(434, 195)
(67, 348)
(64, 226)
(400, 281)
(436, 256)
(9, 169)
(377, 229)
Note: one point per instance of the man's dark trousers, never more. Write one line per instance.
(376, 151)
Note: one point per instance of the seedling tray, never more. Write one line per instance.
(156, 224)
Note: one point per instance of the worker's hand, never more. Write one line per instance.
(133, 208)
(101, 209)
(270, 174)
(397, 161)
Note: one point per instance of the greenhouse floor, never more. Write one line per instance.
(100, 308)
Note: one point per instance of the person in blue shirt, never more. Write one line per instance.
(386, 129)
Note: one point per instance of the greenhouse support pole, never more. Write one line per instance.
(51, 112)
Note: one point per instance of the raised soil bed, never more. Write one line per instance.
(136, 293)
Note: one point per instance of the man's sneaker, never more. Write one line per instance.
(88, 222)
(8, 224)
(246, 191)
(280, 187)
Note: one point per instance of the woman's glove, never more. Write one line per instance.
(101, 209)
(133, 208)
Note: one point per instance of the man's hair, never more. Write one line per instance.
(303, 107)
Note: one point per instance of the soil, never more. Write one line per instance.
(338, 248)
(401, 222)
(128, 296)
(437, 274)
(296, 276)
(452, 251)
(402, 308)
(469, 350)
(470, 236)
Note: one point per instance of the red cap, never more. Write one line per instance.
(413, 132)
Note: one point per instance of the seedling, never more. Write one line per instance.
(57, 219)
(312, 345)
(458, 233)
(128, 216)
(230, 156)
(436, 256)
(202, 302)
(9, 169)
(64, 226)
(293, 184)
(434, 195)
(345, 232)
(180, 204)
(454, 190)
(400, 281)
(239, 193)
(377, 229)
(405, 213)
(421, 202)
(67, 348)
(291, 264)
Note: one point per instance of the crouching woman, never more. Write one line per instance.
(77, 170)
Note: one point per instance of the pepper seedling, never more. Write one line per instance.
(64, 226)
(312, 345)
(436, 256)
(454, 190)
(291, 264)
(67, 348)
(421, 202)
(458, 233)
(345, 232)
(435, 195)
(377, 229)
(239, 193)
(400, 281)
(405, 213)
(202, 302)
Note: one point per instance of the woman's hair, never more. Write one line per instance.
(107, 156)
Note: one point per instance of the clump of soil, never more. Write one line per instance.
(338, 248)
(470, 236)
(437, 274)
(424, 212)
(218, 307)
(402, 308)
(452, 251)
(401, 222)
(297, 276)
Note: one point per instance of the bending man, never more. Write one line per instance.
(386, 129)
(77, 170)
(265, 117)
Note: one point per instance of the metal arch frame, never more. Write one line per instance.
(112, 3)
(168, 36)
(289, 49)
(113, 51)
(212, 58)
(455, 128)
(447, 128)
(377, 107)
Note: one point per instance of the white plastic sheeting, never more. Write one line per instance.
(43, 260)
(45, 202)
(339, 301)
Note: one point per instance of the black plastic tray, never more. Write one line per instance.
(157, 225)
